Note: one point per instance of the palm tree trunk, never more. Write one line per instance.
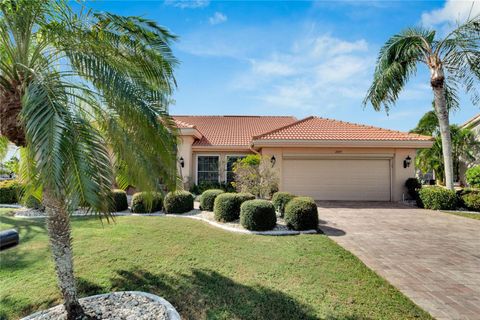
(442, 114)
(58, 225)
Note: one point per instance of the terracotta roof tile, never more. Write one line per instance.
(314, 128)
(231, 130)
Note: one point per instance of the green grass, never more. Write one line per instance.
(206, 273)
(464, 214)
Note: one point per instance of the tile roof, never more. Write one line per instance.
(314, 128)
(231, 130)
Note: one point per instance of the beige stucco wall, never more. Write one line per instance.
(185, 152)
(399, 174)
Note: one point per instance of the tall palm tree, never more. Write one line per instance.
(453, 61)
(77, 87)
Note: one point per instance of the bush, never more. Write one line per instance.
(226, 207)
(178, 202)
(472, 201)
(301, 214)
(280, 200)
(258, 215)
(255, 174)
(145, 202)
(413, 185)
(120, 202)
(33, 203)
(472, 176)
(204, 186)
(207, 199)
(10, 191)
(438, 198)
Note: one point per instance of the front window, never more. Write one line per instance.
(230, 162)
(207, 169)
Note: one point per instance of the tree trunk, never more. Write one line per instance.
(58, 225)
(11, 125)
(437, 81)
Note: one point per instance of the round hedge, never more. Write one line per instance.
(438, 198)
(178, 202)
(258, 215)
(280, 200)
(226, 207)
(301, 214)
(120, 202)
(472, 176)
(207, 199)
(472, 201)
(143, 202)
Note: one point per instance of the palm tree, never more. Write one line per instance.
(464, 146)
(453, 61)
(82, 92)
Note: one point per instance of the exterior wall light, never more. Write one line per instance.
(273, 160)
(407, 162)
(182, 162)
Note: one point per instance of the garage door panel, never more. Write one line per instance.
(367, 180)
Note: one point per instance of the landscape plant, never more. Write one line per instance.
(472, 176)
(301, 214)
(147, 202)
(81, 92)
(453, 62)
(258, 215)
(280, 200)
(178, 202)
(226, 207)
(257, 175)
(207, 199)
(438, 198)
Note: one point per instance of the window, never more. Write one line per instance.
(230, 162)
(207, 169)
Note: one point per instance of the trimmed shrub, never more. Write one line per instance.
(204, 186)
(10, 191)
(258, 215)
(438, 198)
(472, 201)
(301, 214)
(207, 199)
(472, 176)
(280, 200)
(144, 202)
(178, 202)
(413, 185)
(33, 203)
(226, 207)
(120, 202)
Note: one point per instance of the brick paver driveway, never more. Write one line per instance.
(432, 257)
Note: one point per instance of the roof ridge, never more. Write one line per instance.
(371, 127)
(282, 128)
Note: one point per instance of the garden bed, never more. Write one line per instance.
(117, 305)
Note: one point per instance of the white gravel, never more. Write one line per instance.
(128, 305)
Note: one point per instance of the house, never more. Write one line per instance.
(317, 157)
(474, 125)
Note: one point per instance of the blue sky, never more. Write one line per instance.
(293, 58)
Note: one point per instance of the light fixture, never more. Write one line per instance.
(273, 160)
(182, 162)
(407, 161)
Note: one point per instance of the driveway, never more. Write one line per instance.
(432, 257)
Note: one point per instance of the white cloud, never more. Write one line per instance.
(316, 73)
(217, 18)
(188, 4)
(454, 11)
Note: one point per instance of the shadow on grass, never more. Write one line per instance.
(206, 294)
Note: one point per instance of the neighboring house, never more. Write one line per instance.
(322, 158)
(474, 125)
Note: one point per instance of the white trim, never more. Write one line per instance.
(332, 156)
(191, 132)
(344, 143)
(206, 155)
(226, 162)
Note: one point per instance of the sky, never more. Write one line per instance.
(297, 58)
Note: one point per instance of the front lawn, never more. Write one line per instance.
(206, 273)
(465, 214)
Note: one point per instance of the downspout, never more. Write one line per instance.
(253, 150)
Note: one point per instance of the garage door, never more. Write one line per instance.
(339, 179)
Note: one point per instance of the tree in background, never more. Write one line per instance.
(464, 147)
(75, 88)
(453, 61)
(256, 174)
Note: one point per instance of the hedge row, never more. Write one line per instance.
(227, 205)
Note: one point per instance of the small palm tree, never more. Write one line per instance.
(83, 93)
(453, 61)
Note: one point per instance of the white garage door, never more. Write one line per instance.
(362, 179)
